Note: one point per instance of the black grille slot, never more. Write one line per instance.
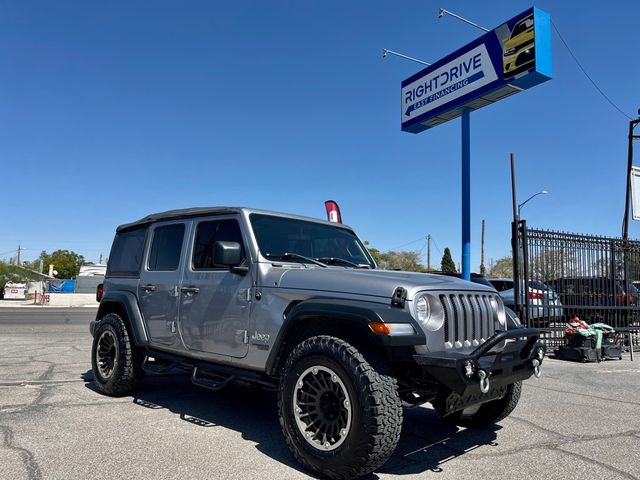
(447, 316)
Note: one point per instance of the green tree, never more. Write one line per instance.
(13, 273)
(65, 262)
(503, 267)
(447, 265)
(408, 261)
(375, 253)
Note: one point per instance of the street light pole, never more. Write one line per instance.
(386, 51)
(625, 225)
(543, 192)
(444, 12)
(465, 272)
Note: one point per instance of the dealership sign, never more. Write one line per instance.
(511, 58)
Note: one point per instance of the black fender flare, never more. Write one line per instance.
(357, 312)
(129, 303)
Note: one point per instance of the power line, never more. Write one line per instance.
(587, 75)
(436, 245)
(421, 239)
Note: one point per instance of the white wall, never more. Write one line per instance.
(71, 299)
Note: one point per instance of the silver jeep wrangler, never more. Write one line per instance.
(237, 295)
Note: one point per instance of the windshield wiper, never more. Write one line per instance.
(295, 256)
(335, 260)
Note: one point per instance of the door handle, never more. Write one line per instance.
(148, 288)
(190, 290)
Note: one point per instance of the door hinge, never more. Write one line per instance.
(242, 336)
(245, 294)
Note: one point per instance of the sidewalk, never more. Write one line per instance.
(30, 304)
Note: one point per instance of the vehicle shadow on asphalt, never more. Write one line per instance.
(250, 411)
(426, 443)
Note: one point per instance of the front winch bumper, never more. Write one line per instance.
(484, 374)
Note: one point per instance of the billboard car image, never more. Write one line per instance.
(519, 49)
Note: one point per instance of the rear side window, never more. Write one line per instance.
(482, 281)
(126, 254)
(502, 285)
(538, 285)
(166, 247)
(207, 233)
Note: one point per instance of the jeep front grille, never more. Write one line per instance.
(469, 319)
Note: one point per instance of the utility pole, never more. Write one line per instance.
(19, 250)
(429, 253)
(100, 261)
(625, 225)
(483, 270)
(515, 238)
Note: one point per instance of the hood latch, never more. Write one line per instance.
(399, 297)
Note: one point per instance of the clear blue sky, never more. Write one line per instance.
(113, 110)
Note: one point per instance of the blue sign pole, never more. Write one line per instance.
(466, 194)
(508, 59)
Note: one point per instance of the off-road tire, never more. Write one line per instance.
(490, 412)
(127, 372)
(376, 410)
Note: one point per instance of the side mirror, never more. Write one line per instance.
(227, 253)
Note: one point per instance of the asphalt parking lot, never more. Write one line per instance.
(578, 420)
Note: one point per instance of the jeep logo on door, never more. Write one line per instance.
(260, 338)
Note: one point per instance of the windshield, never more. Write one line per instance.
(277, 236)
(521, 26)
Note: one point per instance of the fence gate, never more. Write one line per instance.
(565, 275)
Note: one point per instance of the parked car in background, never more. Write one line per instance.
(545, 305)
(475, 278)
(576, 293)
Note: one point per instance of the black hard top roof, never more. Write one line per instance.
(202, 211)
(176, 214)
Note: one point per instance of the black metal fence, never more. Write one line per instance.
(566, 275)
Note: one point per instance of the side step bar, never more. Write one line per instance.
(210, 383)
(205, 374)
(158, 367)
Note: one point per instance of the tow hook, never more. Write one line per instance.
(484, 381)
(537, 370)
(536, 363)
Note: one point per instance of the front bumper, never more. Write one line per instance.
(515, 362)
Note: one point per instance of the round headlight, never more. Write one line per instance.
(501, 316)
(423, 311)
(494, 303)
(429, 312)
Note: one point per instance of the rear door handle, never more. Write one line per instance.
(148, 288)
(191, 290)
